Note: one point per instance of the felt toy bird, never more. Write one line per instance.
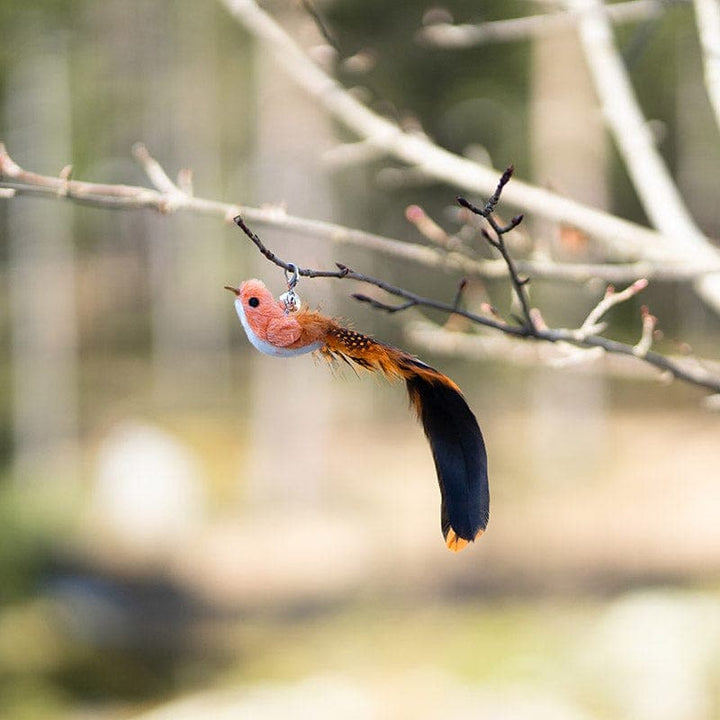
(283, 329)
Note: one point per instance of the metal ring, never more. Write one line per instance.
(292, 281)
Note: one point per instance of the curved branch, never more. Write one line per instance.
(707, 16)
(652, 181)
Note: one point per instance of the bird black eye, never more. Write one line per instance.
(253, 302)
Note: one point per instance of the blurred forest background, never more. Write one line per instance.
(189, 529)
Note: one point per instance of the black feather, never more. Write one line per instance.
(452, 430)
(459, 453)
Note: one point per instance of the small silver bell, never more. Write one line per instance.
(291, 301)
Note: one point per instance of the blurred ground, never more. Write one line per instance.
(352, 602)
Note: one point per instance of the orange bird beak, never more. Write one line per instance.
(232, 289)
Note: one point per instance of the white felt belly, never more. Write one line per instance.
(264, 346)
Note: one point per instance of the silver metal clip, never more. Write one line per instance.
(294, 276)
(290, 299)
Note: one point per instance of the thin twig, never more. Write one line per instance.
(321, 25)
(378, 305)
(649, 323)
(344, 272)
(592, 324)
(498, 242)
(155, 172)
(459, 293)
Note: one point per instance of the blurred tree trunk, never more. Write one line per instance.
(166, 79)
(291, 404)
(569, 156)
(41, 263)
(187, 254)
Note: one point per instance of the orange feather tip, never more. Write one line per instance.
(456, 543)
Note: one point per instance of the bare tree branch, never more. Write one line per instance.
(446, 35)
(418, 151)
(485, 346)
(652, 181)
(707, 15)
(170, 197)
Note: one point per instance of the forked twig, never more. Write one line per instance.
(498, 242)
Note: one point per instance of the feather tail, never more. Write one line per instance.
(460, 458)
(451, 429)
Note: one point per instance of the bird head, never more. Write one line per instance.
(256, 302)
(256, 307)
